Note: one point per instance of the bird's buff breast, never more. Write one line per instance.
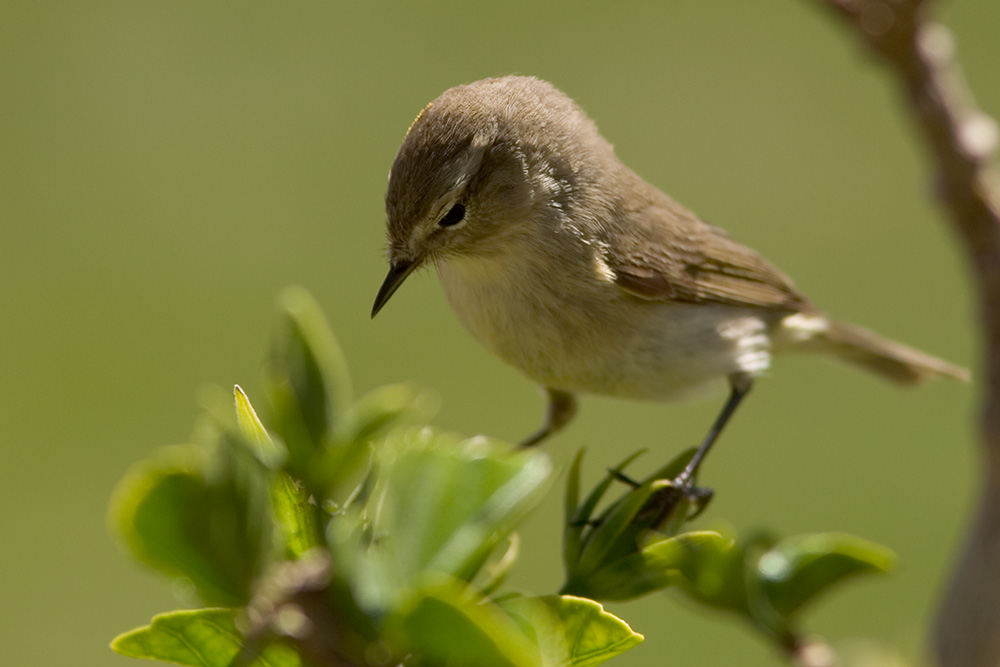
(586, 335)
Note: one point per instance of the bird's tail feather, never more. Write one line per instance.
(888, 359)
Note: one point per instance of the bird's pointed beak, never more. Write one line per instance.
(398, 271)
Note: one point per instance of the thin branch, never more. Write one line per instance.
(961, 141)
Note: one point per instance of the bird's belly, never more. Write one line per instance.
(607, 343)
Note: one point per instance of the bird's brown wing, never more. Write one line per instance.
(675, 256)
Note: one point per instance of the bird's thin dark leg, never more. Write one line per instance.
(740, 384)
(561, 408)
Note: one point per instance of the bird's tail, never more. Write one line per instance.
(889, 359)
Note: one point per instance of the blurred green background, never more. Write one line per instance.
(165, 168)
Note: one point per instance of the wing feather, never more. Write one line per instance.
(673, 255)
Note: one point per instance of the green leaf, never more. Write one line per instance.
(199, 638)
(573, 532)
(620, 533)
(156, 510)
(446, 506)
(652, 568)
(495, 572)
(382, 408)
(571, 630)
(296, 517)
(667, 512)
(768, 582)
(270, 454)
(442, 625)
(747, 588)
(585, 511)
(340, 467)
(306, 379)
(578, 530)
(716, 576)
(799, 568)
(612, 537)
(199, 512)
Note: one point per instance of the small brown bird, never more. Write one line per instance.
(570, 267)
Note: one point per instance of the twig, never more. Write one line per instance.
(961, 141)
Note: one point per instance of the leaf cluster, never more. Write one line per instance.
(351, 534)
(343, 535)
(637, 545)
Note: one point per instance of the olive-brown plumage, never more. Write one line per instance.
(570, 267)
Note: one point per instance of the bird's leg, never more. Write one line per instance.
(740, 384)
(561, 408)
(665, 501)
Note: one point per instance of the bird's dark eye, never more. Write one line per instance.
(452, 217)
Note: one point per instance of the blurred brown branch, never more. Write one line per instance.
(961, 140)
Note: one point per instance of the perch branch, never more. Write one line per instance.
(961, 141)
